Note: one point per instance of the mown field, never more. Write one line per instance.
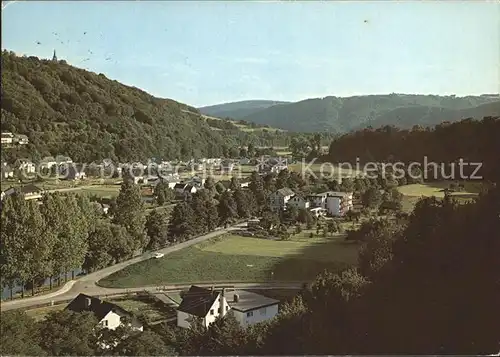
(235, 258)
(437, 189)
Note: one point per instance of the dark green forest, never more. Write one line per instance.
(474, 141)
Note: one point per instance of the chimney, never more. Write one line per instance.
(236, 298)
(221, 302)
(88, 301)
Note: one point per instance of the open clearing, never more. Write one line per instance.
(235, 258)
(325, 170)
(436, 189)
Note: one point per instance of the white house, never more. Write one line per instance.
(251, 308)
(298, 202)
(318, 200)
(247, 307)
(7, 171)
(7, 138)
(109, 315)
(279, 199)
(201, 303)
(338, 203)
(26, 166)
(181, 189)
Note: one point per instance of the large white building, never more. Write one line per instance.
(108, 315)
(335, 203)
(338, 203)
(207, 304)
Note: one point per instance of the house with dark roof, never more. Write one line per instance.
(279, 198)
(108, 314)
(247, 307)
(201, 303)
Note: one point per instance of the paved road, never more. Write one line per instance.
(87, 283)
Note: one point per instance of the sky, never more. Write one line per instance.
(208, 52)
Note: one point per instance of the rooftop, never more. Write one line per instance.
(97, 306)
(248, 301)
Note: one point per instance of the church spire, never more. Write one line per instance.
(54, 57)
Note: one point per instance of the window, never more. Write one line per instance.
(105, 322)
(263, 311)
(227, 308)
(250, 314)
(212, 312)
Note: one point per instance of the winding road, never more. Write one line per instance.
(87, 284)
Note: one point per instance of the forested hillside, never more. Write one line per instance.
(475, 141)
(344, 114)
(238, 110)
(70, 111)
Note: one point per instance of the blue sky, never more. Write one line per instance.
(203, 53)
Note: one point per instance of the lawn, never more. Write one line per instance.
(436, 189)
(40, 313)
(102, 190)
(326, 170)
(235, 258)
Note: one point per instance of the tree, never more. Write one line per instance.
(347, 184)
(305, 216)
(19, 335)
(256, 186)
(66, 333)
(163, 193)
(129, 212)
(180, 226)
(376, 250)
(291, 214)
(333, 185)
(142, 343)
(269, 219)
(99, 247)
(227, 208)
(157, 229)
(371, 197)
(220, 188)
(210, 185)
(224, 336)
(72, 230)
(14, 216)
(234, 184)
(282, 179)
(243, 203)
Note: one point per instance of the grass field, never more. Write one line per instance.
(436, 189)
(102, 190)
(325, 170)
(40, 313)
(235, 258)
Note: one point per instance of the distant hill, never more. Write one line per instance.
(238, 110)
(336, 114)
(70, 111)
